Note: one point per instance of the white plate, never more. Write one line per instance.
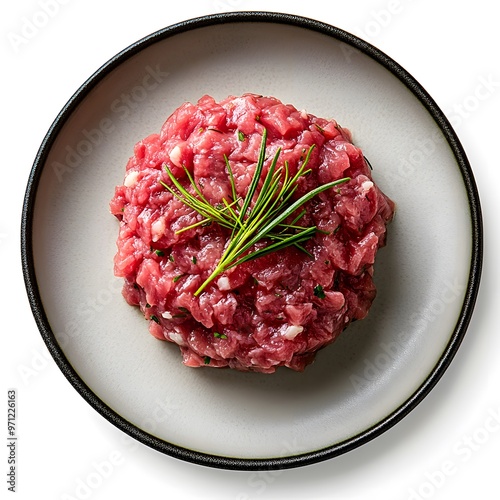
(380, 368)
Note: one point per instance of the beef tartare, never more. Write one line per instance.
(248, 232)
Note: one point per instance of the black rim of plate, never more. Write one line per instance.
(231, 462)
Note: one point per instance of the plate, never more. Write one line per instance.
(380, 368)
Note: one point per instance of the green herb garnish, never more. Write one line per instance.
(320, 129)
(206, 360)
(160, 253)
(318, 292)
(218, 335)
(195, 260)
(241, 136)
(154, 318)
(252, 224)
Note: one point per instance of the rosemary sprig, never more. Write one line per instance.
(251, 224)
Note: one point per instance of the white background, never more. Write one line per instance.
(447, 448)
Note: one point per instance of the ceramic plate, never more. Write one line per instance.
(379, 369)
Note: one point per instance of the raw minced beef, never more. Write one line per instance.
(277, 310)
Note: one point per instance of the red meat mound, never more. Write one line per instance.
(279, 309)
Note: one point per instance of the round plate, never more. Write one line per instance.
(380, 368)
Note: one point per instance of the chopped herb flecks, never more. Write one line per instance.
(207, 360)
(218, 335)
(155, 319)
(160, 253)
(241, 136)
(318, 292)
